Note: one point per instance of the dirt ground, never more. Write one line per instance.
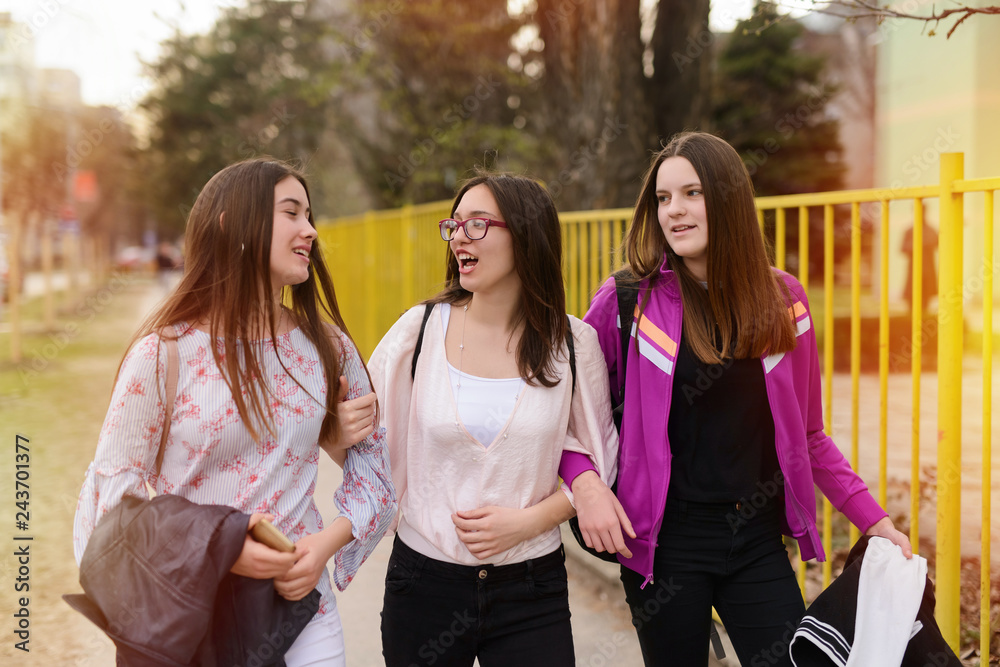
(57, 399)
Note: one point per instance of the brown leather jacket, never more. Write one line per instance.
(156, 579)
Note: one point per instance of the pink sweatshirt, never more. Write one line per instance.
(438, 468)
(807, 455)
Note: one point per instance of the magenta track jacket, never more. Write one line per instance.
(806, 454)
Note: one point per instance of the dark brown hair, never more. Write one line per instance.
(227, 284)
(533, 223)
(744, 295)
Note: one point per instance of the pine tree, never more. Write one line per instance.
(429, 94)
(256, 83)
(771, 106)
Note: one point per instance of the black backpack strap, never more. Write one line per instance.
(627, 292)
(420, 339)
(572, 350)
(423, 325)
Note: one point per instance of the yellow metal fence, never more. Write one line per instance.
(383, 262)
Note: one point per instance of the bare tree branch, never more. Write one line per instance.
(855, 9)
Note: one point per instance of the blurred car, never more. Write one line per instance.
(134, 258)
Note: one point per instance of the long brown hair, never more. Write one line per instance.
(533, 223)
(744, 296)
(227, 284)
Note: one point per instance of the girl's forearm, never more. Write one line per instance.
(335, 537)
(549, 513)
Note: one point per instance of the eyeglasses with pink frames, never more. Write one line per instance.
(475, 228)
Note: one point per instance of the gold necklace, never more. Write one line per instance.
(458, 384)
(461, 354)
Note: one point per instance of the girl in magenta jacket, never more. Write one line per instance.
(722, 435)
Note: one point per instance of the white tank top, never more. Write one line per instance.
(484, 404)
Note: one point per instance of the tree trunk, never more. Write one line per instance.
(679, 90)
(594, 102)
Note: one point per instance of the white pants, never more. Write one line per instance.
(321, 643)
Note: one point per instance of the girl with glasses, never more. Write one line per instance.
(722, 434)
(258, 385)
(477, 421)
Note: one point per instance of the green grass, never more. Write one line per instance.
(97, 326)
(59, 404)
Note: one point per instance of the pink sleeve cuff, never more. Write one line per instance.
(572, 464)
(862, 510)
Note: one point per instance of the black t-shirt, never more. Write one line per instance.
(721, 430)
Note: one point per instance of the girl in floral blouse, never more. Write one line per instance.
(257, 394)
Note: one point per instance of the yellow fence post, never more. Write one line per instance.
(883, 353)
(855, 340)
(950, 344)
(828, 376)
(916, 361)
(804, 247)
(779, 239)
(409, 276)
(985, 537)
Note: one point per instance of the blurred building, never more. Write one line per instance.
(904, 98)
(17, 60)
(26, 89)
(59, 89)
(849, 51)
(939, 95)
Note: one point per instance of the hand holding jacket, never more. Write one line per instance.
(312, 552)
(259, 561)
(884, 528)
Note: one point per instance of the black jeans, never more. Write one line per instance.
(711, 554)
(437, 613)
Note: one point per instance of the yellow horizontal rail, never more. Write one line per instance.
(383, 262)
(847, 197)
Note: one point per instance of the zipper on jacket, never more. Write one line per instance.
(662, 506)
(789, 491)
